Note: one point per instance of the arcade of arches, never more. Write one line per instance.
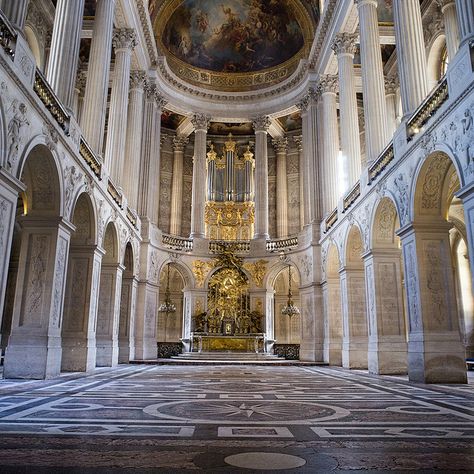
(160, 179)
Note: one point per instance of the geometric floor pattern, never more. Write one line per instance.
(234, 419)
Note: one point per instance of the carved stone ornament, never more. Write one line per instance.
(298, 140)
(257, 270)
(328, 84)
(58, 279)
(391, 84)
(402, 196)
(51, 136)
(179, 143)
(280, 144)
(262, 123)
(72, 176)
(345, 43)
(18, 121)
(201, 122)
(4, 208)
(307, 265)
(137, 80)
(124, 38)
(201, 270)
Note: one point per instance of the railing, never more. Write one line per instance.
(7, 36)
(48, 97)
(384, 159)
(90, 158)
(331, 220)
(177, 243)
(117, 195)
(352, 196)
(132, 217)
(278, 245)
(428, 108)
(237, 246)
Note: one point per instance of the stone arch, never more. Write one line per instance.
(434, 57)
(332, 308)
(385, 221)
(111, 244)
(354, 246)
(276, 269)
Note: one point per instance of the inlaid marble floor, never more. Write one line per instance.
(234, 419)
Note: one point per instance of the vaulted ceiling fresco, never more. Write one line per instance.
(234, 44)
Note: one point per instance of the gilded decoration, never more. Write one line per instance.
(201, 270)
(257, 270)
(236, 45)
(229, 220)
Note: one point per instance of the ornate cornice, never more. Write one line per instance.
(345, 43)
(262, 123)
(142, 6)
(124, 38)
(201, 121)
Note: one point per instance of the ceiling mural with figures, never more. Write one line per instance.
(234, 44)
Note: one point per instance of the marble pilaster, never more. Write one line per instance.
(126, 335)
(201, 124)
(133, 143)
(301, 161)
(179, 144)
(64, 54)
(344, 47)
(261, 125)
(333, 322)
(95, 99)
(281, 147)
(375, 113)
(124, 40)
(411, 55)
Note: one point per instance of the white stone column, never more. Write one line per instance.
(451, 29)
(15, 11)
(465, 11)
(410, 53)
(281, 146)
(124, 40)
(79, 89)
(64, 54)
(375, 113)
(150, 156)
(435, 351)
(261, 125)
(201, 124)
(344, 47)
(133, 144)
(328, 87)
(387, 353)
(301, 161)
(95, 100)
(391, 85)
(179, 144)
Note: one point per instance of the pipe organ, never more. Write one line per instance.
(230, 208)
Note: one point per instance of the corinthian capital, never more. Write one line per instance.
(328, 83)
(262, 123)
(345, 43)
(137, 80)
(179, 142)
(391, 84)
(311, 97)
(201, 122)
(445, 3)
(280, 144)
(124, 38)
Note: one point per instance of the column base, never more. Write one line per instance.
(146, 349)
(388, 358)
(79, 355)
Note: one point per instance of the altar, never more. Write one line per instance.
(219, 343)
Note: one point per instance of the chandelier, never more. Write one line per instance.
(167, 306)
(290, 309)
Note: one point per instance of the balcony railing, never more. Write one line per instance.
(331, 220)
(48, 97)
(7, 36)
(175, 242)
(132, 217)
(90, 158)
(280, 245)
(237, 246)
(116, 194)
(428, 108)
(379, 165)
(352, 196)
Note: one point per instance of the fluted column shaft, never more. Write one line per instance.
(411, 53)
(465, 11)
(375, 113)
(299, 143)
(64, 55)
(133, 144)
(150, 164)
(15, 11)
(451, 30)
(261, 125)
(179, 143)
(328, 85)
(95, 100)
(281, 145)
(344, 47)
(201, 124)
(124, 40)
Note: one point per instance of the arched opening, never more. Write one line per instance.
(40, 256)
(287, 328)
(355, 343)
(332, 309)
(127, 309)
(432, 303)
(80, 302)
(169, 323)
(437, 61)
(383, 268)
(109, 300)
